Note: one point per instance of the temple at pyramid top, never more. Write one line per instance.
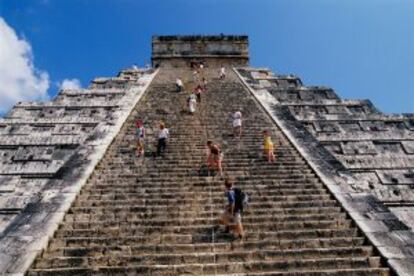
(217, 50)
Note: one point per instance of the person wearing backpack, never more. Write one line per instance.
(231, 217)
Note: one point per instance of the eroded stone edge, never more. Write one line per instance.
(394, 242)
(20, 247)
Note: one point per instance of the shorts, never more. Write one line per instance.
(269, 148)
(228, 218)
(140, 141)
(237, 123)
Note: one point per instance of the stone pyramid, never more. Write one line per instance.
(76, 200)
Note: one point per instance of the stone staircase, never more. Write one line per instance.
(157, 217)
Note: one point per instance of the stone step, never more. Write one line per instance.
(136, 212)
(112, 194)
(253, 207)
(198, 181)
(201, 185)
(130, 228)
(319, 272)
(189, 203)
(230, 163)
(162, 238)
(235, 267)
(195, 158)
(125, 256)
(97, 250)
(196, 220)
(188, 189)
(174, 171)
(173, 198)
(157, 177)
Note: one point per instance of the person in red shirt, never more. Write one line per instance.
(215, 157)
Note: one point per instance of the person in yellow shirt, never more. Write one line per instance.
(268, 147)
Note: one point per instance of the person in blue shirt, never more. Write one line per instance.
(231, 217)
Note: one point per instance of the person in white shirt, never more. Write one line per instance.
(237, 124)
(222, 73)
(179, 85)
(196, 76)
(163, 135)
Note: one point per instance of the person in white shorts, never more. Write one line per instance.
(237, 124)
(192, 103)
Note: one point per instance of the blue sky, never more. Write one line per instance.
(363, 49)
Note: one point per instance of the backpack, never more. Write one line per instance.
(241, 200)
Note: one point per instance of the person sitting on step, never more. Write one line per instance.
(179, 85)
(163, 135)
(231, 216)
(222, 75)
(268, 147)
(215, 157)
(139, 136)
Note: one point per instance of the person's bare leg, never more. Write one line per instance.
(237, 132)
(238, 230)
(272, 155)
(138, 151)
(220, 169)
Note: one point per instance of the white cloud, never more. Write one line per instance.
(19, 79)
(70, 84)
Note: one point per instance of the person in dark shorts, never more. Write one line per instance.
(179, 85)
(163, 135)
(198, 90)
(231, 216)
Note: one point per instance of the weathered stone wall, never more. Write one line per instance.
(179, 51)
(377, 148)
(48, 150)
(292, 106)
